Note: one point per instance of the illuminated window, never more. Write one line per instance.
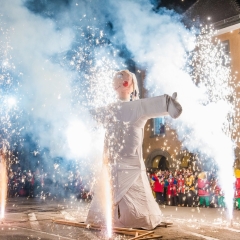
(158, 126)
(226, 47)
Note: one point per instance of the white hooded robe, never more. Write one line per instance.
(133, 204)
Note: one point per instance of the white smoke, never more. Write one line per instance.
(44, 87)
(158, 42)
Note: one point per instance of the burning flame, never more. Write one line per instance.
(3, 184)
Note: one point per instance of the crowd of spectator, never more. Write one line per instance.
(180, 188)
(43, 185)
(186, 188)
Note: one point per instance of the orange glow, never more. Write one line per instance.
(3, 184)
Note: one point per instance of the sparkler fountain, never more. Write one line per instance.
(212, 73)
(108, 200)
(3, 184)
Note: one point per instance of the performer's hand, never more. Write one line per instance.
(173, 107)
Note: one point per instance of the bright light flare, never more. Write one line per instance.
(11, 101)
(3, 185)
(78, 138)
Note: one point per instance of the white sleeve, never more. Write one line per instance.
(160, 106)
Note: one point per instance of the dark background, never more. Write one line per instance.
(179, 6)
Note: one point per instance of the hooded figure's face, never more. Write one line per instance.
(123, 85)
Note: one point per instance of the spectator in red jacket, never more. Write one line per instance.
(219, 196)
(171, 191)
(181, 190)
(158, 187)
(203, 189)
(237, 187)
(174, 194)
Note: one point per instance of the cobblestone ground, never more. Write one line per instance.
(33, 219)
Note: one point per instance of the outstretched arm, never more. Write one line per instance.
(160, 106)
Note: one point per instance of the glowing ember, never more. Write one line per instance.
(3, 185)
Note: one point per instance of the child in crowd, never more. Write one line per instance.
(203, 191)
(220, 196)
(190, 189)
(171, 191)
(158, 187)
(181, 190)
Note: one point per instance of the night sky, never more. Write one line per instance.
(179, 6)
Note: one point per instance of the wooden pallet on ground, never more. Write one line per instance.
(137, 234)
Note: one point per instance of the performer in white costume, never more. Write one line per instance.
(132, 199)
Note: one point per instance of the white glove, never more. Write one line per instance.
(173, 107)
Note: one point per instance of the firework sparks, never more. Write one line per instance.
(209, 133)
(211, 72)
(3, 184)
(108, 194)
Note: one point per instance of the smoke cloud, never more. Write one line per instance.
(58, 58)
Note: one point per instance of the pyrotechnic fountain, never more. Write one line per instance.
(3, 184)
(212, 73)
(108, 200)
